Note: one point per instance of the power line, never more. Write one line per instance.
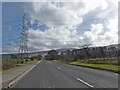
(23, 48)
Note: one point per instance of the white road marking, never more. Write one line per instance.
(84, 82)
(115, 74)
(14, 81)
(59, 68)
(39, 61)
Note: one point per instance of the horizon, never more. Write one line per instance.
(60, 49)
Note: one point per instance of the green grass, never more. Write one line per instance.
(102, 66)
(0, 60)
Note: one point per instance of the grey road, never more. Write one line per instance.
(59, 75)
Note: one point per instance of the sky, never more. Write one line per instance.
(54, 25)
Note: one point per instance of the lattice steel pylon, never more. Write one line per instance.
(23, 48)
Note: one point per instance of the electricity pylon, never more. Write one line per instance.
(23, 48)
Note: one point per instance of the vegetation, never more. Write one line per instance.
(102, 66)
(8, 63)
(52, 55)
(100, 61)
(100, 57)
(31, 62)
(38, 57)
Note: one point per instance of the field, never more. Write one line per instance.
(110, 64)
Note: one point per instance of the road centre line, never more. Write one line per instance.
(59, 68)
(85, 82)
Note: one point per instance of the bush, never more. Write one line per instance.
(101, 61)
(7, 65)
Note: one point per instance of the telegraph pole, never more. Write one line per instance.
(23, 48)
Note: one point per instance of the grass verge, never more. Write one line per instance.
(101, 66)
(31, 62)
(19, 65)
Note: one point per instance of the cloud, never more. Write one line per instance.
(12, 48)
(56, 14)
(63, 19)
(96, 28)
(51, 39)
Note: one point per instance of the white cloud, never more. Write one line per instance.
(50, 39)
(63, 19)
(112, 25)
(96, 28)
(56, 14)
(12, 48)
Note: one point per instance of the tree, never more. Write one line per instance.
(38, 57)
(52, 55)
(87, 50)
(102, 51)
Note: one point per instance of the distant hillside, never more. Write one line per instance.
(58, 50)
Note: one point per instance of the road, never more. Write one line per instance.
(49, 74)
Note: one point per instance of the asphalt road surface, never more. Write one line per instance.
(49, 74)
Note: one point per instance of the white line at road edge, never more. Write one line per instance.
(14, 81)
(85, 82)
(115, 74)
